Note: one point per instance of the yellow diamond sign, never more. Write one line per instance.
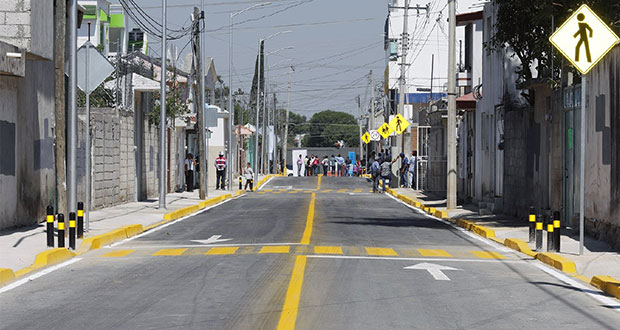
(385, 130)
(399, 124)
(584, 39)
(366, 137)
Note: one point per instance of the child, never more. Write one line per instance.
(249, 177)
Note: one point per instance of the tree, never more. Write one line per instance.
(297, 125)
(328, 127)
(525, 27)
(175, 106)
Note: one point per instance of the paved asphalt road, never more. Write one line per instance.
(305, 253)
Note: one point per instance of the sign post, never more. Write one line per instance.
(584, 39)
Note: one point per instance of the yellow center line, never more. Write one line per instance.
(318, 183)
(305, 239)
(293, 295)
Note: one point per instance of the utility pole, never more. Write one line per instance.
(72, 113)
(60, 21)
(372, 108)
(403, 71)
(359, 109)
(200, 113)
(260, 50)
(288, 108)
(451, 182)
(162, 112)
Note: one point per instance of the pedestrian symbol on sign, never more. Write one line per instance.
(584, 39)
(583, 34)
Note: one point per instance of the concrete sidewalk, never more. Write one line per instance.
(598, 259)
(20, 246)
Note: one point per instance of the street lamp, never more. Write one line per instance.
(264, 152)
(258, 90)
(231, 110)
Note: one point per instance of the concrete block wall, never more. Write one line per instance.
(28, 24)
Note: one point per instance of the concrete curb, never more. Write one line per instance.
(607, 284)
(55, 256)
(46, 259)
(6, 275)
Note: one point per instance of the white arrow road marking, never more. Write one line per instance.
(213, 239)
(435, 270)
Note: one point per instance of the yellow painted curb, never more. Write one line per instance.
(519, 245)
(96, 242)
(47, 258)
(557, 261)
(478, 230)
(177, 214)
(608, 284)
(441, 214)
(6, 276)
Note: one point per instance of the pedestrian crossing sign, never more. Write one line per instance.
(584, 39)
(399, 124)
(366, 137)
(385, 130)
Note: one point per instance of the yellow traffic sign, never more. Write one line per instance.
(399, 124)
(584, 39)
(366, 137)
(385, 130)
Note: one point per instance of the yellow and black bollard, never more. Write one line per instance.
(550, 236)
(50, 226)
(532, 224)
(80, 220)
(61, 230)
(556, 230)
(72, 230)
(240, 183)
(539, 232)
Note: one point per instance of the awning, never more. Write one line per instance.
(466, 102)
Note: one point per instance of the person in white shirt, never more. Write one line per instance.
(190, 167)
(249, 177)
(413, 175)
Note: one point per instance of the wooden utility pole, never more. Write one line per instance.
(59, 126)
(199, 92)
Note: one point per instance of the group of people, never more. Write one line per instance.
(334, 165)
(191, 166)
(381, 169)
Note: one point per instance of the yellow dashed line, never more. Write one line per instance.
(342, 190)
(328, 250)
(222, 250)
(268, 190)
(169, 252)
(487, 255)
(275, 249)
(293, 192)
(357, 190)
(327, 190)
(434, 253)
(375, 251)
(260, 192)
(120, 253)
(305, 239)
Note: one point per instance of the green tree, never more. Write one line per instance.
(325, 128)
(175, 106)
(525, 27)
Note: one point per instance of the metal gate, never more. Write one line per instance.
(422, 159)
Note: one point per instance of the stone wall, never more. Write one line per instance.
(116, 178)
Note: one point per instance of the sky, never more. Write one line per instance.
(336, 44)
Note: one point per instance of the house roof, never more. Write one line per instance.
(466, 18)
(466, 101)
(138, 82)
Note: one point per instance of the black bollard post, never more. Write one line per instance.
(539, 232)
(532, 224)
(72, 230)
(80, 220)
(556, 230)
(240, 183)
(50, 226)
(550, 236)
(61, 230)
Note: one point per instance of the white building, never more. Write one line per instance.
(108, 27)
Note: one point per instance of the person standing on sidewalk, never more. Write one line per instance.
(300, 163)
(248, 172)
(220, 168)
(190, 167)
(325, 163)
(375, 171)
(404, 169)
(340, 165)
(413, 162)
(386, 172)
(332, 165)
